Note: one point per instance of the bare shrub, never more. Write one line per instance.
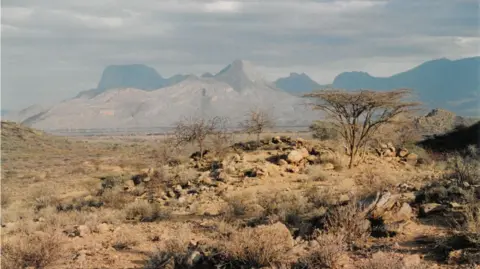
(167, 152)
(320, 196)
(174, 252)
(465, 166)
(358, 115)
(241, 204)
(144, 211)
(372, 180)
(349, 221)
(323, 131)
(327, 253)
(195, 130)
(115, 198)
(42, 197)
(317, 173)
(181, 175)
(37, 250)
(288, 205)
(257, 247)
(472, 213)
(333, 159)
(256, 122)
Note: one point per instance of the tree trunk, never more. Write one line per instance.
(200, 145)
(350, 164)
(352, 156)
(258, 139)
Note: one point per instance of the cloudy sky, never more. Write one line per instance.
(52, 49)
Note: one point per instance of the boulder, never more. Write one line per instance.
(404, 213)
(296, 156)
(327, 166)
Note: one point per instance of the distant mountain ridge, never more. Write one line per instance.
(297, 83)
(450, 84)
(136, 76)
(128, 95)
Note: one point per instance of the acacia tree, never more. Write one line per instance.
(196, 130)
(358, 115)
(256, 121)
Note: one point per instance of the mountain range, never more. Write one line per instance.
(452, 85)
(233, 91)
(137, 95)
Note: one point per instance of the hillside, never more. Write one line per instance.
(453, 85)
(19, 139)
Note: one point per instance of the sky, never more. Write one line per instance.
(53, 49)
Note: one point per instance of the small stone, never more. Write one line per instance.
(171, 194)
(103, 228)
(182, 199)
(178, 188)
(292, 169)
(282, 162)
(343, 198)
(403, 152)
(313, 244)
(83, 230)
(404, 213)
(129, 185)
(429, 208)
(147, 179)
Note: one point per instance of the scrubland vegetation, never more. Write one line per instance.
(220, 200)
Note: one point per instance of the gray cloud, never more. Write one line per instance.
(54, 48)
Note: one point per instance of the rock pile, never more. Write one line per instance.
(400, 154)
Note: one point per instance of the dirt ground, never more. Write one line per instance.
(113, 202)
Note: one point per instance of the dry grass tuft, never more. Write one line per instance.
(124, 240)
(316, 173)
(320, 196)
(288, 205)
(145, 212)
(330, 248)
(174, 252)
(37, 250)
(261, 246)
(241, 204)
